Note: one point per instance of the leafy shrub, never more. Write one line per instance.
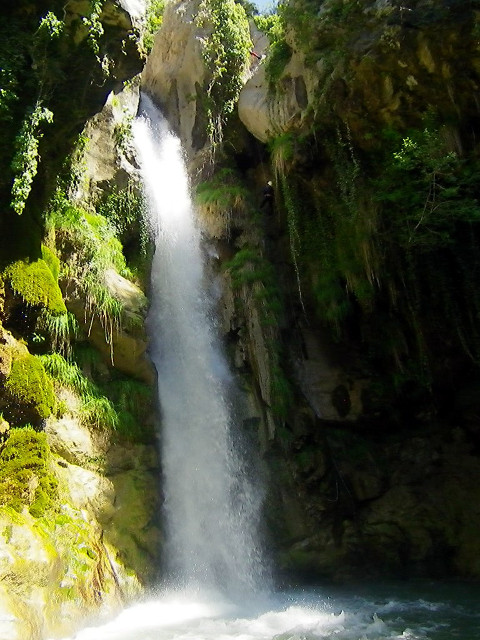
(278, 57)
(125, 209)
(35, 283)
(25, 478)
(428, 190)
(154, 19)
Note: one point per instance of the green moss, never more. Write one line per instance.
(35, 283)
(29, 384)
(52, 261)
(25, 479)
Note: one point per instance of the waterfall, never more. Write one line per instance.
(211, 506)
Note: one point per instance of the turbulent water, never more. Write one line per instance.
(216, 587)
(383, 612)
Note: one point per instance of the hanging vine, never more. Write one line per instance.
(225, 53)
(25, 161)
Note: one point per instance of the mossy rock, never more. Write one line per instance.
(52, 261)
(30, 387)
(5, 361)
(35, 283)
(25, 478)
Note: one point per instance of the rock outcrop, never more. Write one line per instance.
(175, 74)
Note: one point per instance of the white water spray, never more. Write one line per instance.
(211, 507)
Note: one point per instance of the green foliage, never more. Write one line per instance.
(282, 149)
(153, 23)
(248, 266)
(279, 52)
(96, 409)
(122, 133)
(250, 7)
(271, 25)
(35, 283)
(94, 25)
(220, 197)
(89, 247)
(428, 190)
(29, 384)
(25, 161)
(278, 57)
(222, 191)
(75, 167)
(125, 209)
(225, 51)
(87, 358)
(25, 476)
(122, 404)
(387, 251)
(67, 374)
(133, 403)
(50, 26)
(60, 330)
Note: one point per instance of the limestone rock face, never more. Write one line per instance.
(331, 393)
(175, 73)
(109, 159)
(266, 112)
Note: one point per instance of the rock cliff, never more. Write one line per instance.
(357, 351)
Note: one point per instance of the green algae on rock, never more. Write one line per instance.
(30, 389)
(35, 283)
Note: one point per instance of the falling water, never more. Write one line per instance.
(211, 507)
